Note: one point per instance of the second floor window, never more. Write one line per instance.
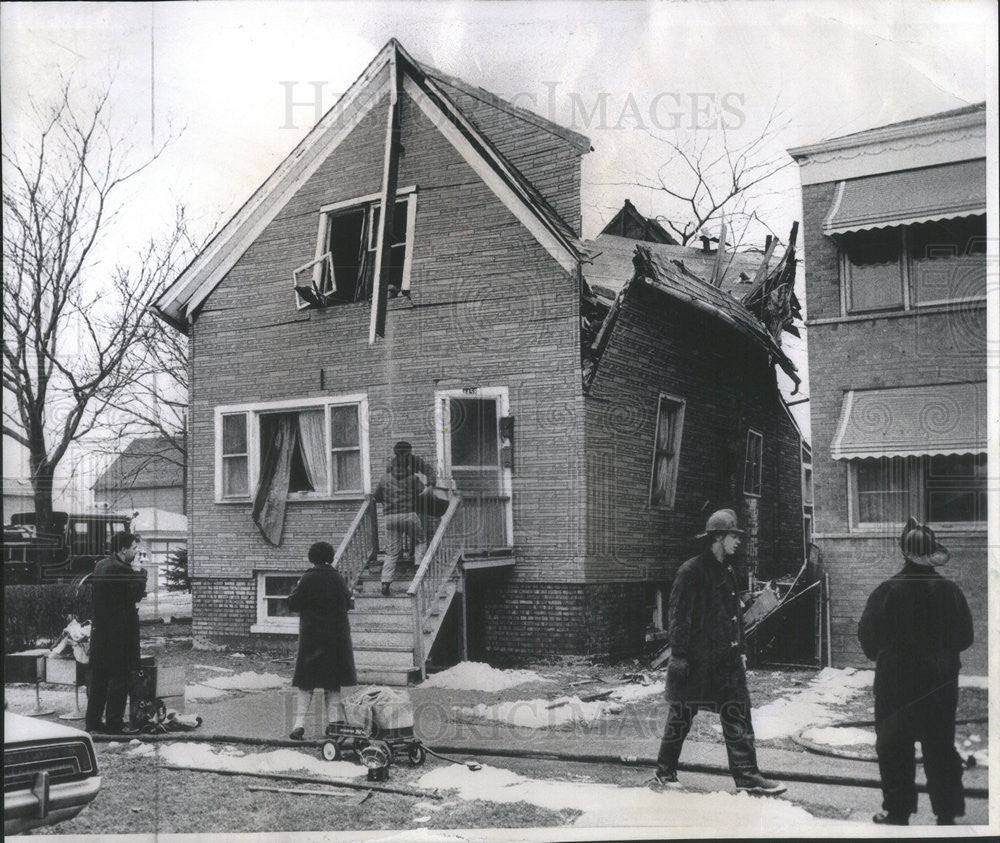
(666, 450)
(344, 268)
(916, 265)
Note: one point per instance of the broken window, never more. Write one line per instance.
(344, 268)
(753, 465)
(666, 448)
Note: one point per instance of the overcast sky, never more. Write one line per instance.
(219, 76)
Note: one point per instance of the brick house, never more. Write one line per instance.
(580, 493)
(895, 243)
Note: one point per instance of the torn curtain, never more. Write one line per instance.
(275, 471)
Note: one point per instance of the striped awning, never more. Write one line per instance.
(945, 192)
(912, 421)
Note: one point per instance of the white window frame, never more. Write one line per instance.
(284, 626)
(365, 203)
(680, 406)
(807, 485)
(220, 458)
(855, 525)
(256, 410)
(752, 431)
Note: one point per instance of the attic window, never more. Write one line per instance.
(344, 267)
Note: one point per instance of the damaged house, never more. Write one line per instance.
(414, 270)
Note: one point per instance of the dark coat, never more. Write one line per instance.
(326, 655)
(913, 627)
(706, 633)
(402, 484)
(114, 632)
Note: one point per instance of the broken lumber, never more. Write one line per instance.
(292, 777)
(254, 788)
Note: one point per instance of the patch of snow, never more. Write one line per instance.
(214, 668)
(477, 676)
(840, 736)
(607, 804)
(238, 656)
(535, 714)
(203, 693)
(247, 681)
(205, 756)
(814, 705)
(973, 681)
(21, 698)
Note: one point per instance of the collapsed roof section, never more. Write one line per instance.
(673, 279)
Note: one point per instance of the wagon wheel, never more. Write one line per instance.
(358, 745)
(386, 749)
(416, 754)
(331, 750)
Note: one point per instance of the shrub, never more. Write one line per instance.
(176, 571)
(33, 613)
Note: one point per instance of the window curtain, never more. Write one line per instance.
(312, 442)
(272, 490)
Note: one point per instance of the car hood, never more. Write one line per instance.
(18, 729)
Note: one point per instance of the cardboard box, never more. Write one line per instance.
(169, 683)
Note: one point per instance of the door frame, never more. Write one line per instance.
(501, 395)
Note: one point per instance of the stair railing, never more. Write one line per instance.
(359, 545)
(436, 567)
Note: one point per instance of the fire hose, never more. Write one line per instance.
(502, 752)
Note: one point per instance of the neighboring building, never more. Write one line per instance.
(587, 461)
(149, 474)
(895, 244)
(18, 496)
(628, 222)
(161, 532)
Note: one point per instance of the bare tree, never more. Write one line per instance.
(71, 320)
(706, 175)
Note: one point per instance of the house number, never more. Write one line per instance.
(470, 390)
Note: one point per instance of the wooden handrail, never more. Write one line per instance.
(436, 568)
(359, 545)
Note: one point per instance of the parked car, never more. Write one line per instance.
(49, 773)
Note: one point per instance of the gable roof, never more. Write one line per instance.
(611, 264)
(179, 303)
(147, 463)
(628, 220)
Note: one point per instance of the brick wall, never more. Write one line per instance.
(911, 348)
(659, 345)
(519, 620)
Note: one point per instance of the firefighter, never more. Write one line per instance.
(914, 626)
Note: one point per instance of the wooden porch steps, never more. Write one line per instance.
(382, 627)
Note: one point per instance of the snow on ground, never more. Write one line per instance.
(608, 804)
(205, 756)
(247, 681)
(813, 705)
(973, 681)
(477, 676)
(535, 714)
(840, 736)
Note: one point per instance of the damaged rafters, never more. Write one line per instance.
(772, 297)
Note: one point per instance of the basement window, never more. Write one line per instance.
(273, 614)
(343, 270)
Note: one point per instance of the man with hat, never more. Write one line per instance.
(707, 668)
(914, 626)
(406, 476)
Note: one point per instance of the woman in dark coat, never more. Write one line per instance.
(326, 656)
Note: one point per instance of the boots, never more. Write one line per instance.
(385, 589)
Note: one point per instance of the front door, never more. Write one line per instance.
(469, 455)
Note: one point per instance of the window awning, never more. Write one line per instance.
(912, 421)
(910, 196)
